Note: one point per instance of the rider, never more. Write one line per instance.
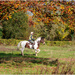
(31, 39)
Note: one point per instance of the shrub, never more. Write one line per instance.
(16, 26)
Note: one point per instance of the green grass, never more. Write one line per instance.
(48, 60)
(54, 52)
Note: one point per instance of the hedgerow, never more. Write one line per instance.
(14, 42)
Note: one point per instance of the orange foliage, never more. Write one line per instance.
(41, 10)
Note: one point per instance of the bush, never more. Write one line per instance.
(16, 26)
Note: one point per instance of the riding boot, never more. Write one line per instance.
(33, 45)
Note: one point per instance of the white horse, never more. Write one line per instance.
(27, 44)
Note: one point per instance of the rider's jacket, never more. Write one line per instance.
(31, 37)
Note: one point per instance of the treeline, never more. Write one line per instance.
(53, 20)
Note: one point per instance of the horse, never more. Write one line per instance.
(27, 44)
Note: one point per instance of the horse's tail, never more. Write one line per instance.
(18, 45)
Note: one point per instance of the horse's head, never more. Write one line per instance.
(42, 40)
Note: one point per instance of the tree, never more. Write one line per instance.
(45, 12)
(1, 32)
(16, 26)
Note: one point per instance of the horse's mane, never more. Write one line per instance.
(37, 38)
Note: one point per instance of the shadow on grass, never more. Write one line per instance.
(27, 58)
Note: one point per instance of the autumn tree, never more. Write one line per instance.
(58, 15)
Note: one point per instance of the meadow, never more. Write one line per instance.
(50, 60)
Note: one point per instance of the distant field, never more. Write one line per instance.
(50, 60)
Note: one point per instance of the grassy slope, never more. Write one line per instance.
(12, 62)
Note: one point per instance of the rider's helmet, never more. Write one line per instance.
(31, 33)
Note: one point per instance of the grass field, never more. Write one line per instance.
(50, 60)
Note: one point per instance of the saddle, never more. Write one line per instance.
(32, 44)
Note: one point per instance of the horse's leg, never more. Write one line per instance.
(22, 49)
(36, 54)
(38, 50)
